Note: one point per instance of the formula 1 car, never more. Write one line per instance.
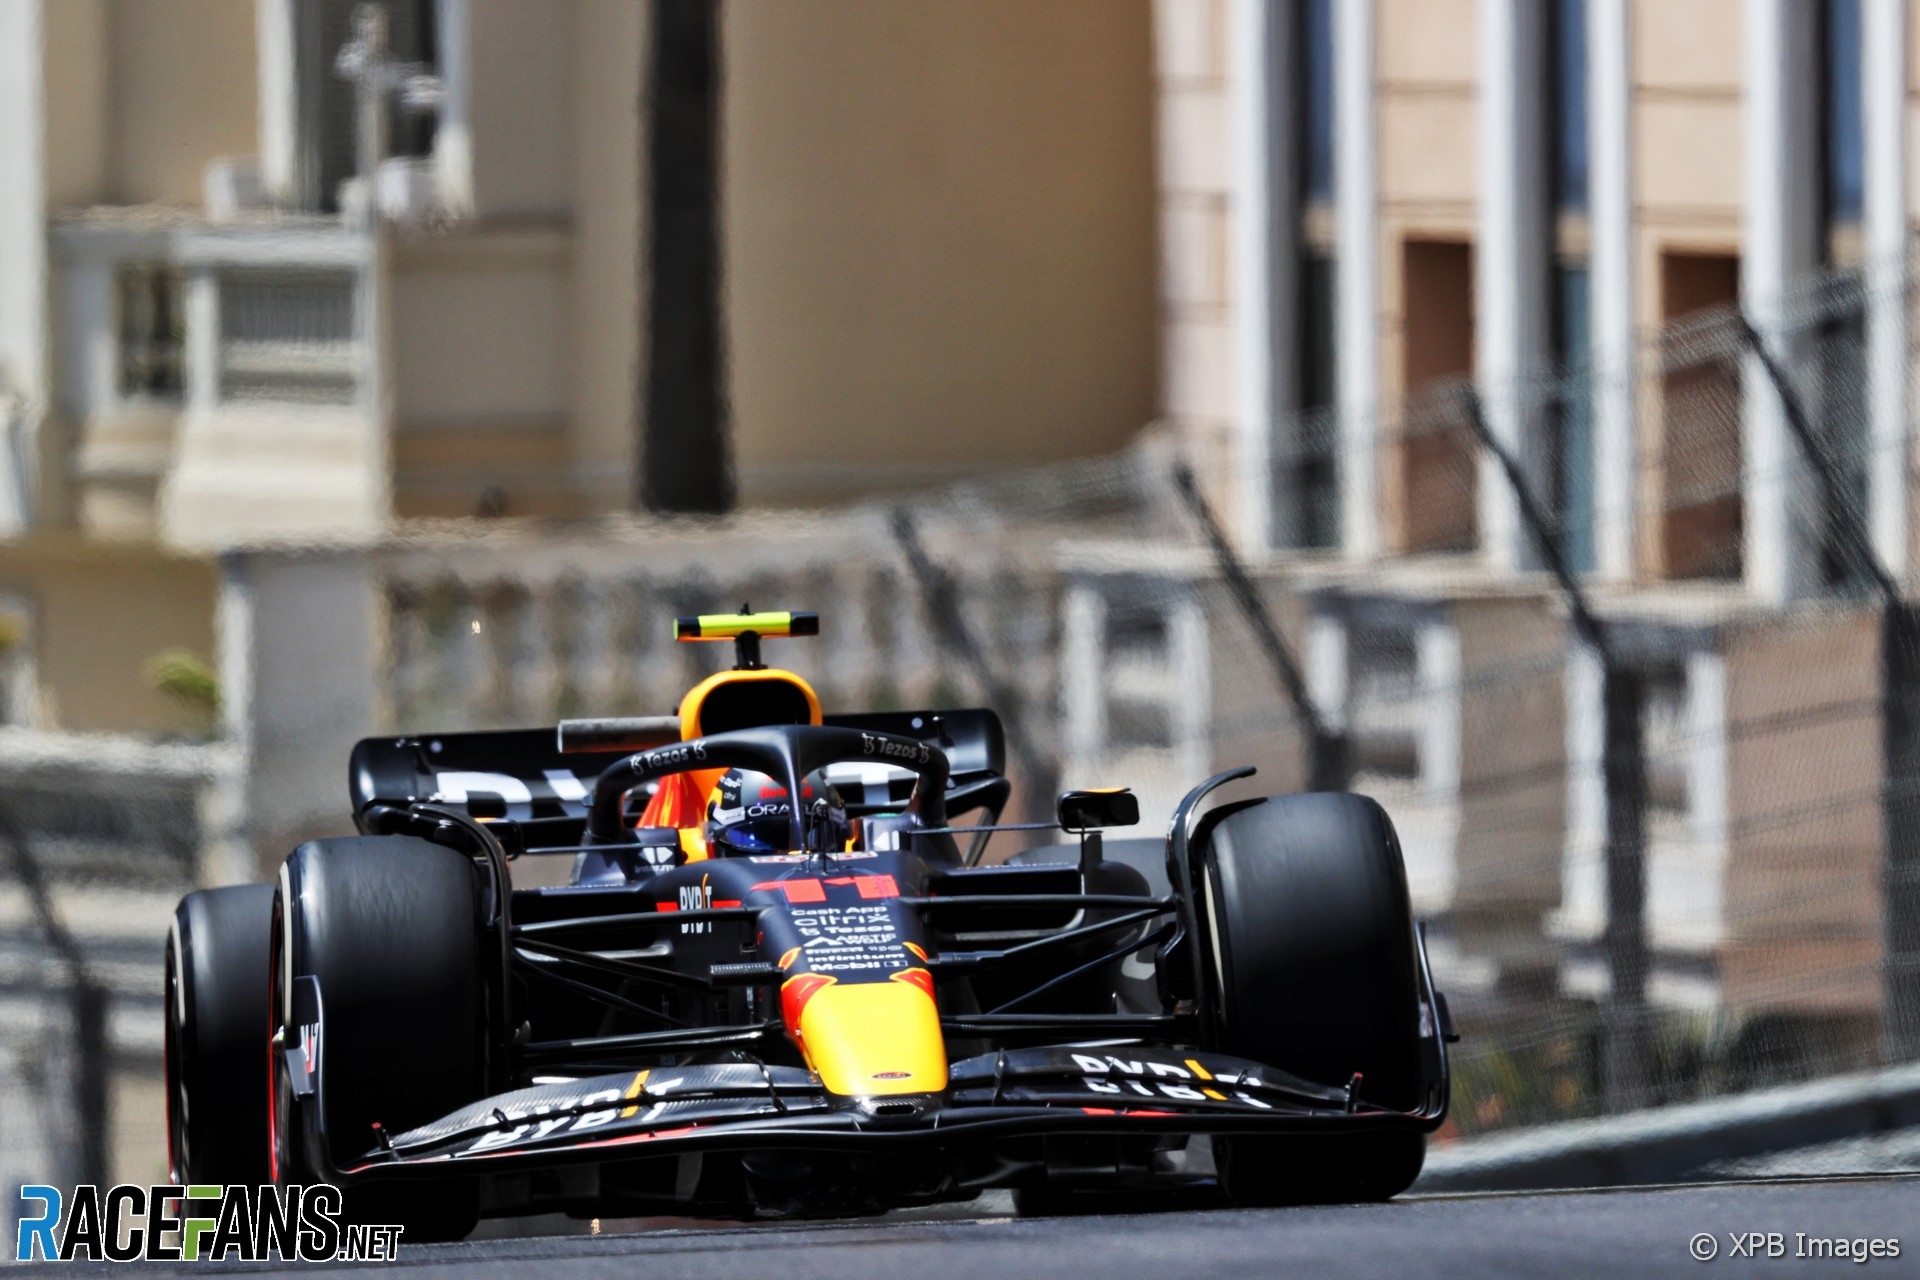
(808, 998)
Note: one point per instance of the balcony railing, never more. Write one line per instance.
(157, 313)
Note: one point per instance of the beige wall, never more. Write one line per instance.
(521, 112)
(1803, 852)
(182, 91)
(483, 327)
(1426, 62)
(1513, 781)
(939, 236)
(101, 611)
(75, 33)
(608, 231)
(1491, 854)
(1688, 172)
(939, 248)
(1192, 43)
(1250, 718)
(516, 341)
(939, 233)
(1686, 159)
(1427, 103)
(479, 329)
(1686, 135)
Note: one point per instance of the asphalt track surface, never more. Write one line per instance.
(1615, 1233)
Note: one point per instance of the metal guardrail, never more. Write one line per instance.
(1676, 1144)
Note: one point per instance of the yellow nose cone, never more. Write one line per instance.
(871, 1038)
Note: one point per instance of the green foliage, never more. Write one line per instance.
(187, 681)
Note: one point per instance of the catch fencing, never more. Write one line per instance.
(1656, 811)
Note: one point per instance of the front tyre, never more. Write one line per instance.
(1315, 972)
(390, 927)
(215, 1031)
(1348, 1168)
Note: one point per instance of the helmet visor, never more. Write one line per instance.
(756, 835)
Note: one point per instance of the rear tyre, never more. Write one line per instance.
(1305, 898)
(390, 927)
(215, 1034)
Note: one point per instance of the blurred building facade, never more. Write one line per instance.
(218, 334)
(937, 235)
(1369, 206)
(1360, 199)
(292, 457)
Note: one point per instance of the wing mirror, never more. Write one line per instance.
(1098, 807)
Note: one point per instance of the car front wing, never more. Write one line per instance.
(748, 1105)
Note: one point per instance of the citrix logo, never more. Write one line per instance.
(255, 1224)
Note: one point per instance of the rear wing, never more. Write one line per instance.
(520, 779)
(974, 743)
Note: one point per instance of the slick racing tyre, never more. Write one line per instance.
(216, 1034)
(389, 926)
(1305, 902)
(1357, 1168)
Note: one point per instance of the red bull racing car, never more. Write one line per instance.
(782, 982)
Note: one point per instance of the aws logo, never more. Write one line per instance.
(175, 1223)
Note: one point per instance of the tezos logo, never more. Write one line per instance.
(874, 745)
(253, 1224)
(662, 756)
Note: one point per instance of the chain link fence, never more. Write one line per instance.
(1660, 827)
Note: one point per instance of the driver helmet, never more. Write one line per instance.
(750, 813)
